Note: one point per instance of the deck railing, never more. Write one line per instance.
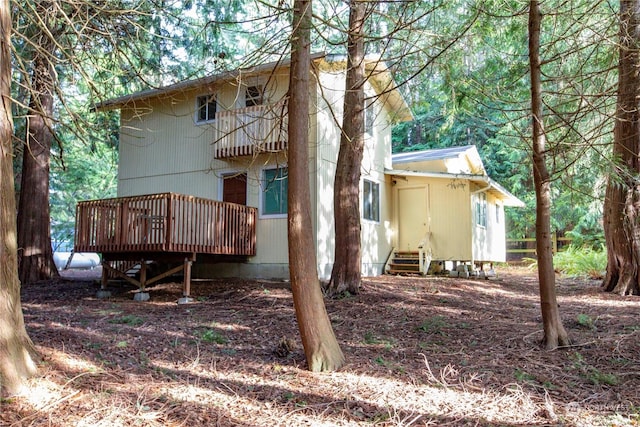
(251, 130)
(165, 222)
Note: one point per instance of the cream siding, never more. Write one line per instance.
(329, 114)
(163, 148)
(489, 242)
(449, 215)
(376, 236)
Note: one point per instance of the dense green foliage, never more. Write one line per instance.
(104, 50)
(482, 98)
(85, 170)
(462, 66)
(577, 261)
(581, 261)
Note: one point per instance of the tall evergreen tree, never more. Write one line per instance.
(16, 349)
(320, 345)
(622, 202)
(554, 332)
(35, 255)
(345, 275)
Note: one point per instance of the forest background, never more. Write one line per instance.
(471, 70)
(462, 66)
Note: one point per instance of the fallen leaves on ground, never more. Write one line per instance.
(420, 351)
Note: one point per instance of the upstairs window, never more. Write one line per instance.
(369, 116)
(371, 200)
(274, 196)
(206, 108)
(253, 95)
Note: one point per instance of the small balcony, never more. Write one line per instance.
(167, 223)
(251, 130)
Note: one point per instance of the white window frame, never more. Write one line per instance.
(370, 209)
(481, 209)
(263, 187)
(199, 105)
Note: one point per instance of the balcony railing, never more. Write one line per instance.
(251, 130)
(165, 222)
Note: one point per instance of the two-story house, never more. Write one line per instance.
(203, 177)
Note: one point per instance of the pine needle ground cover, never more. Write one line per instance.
(420, 351)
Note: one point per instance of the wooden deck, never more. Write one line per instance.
(166, 222)
(166, 227)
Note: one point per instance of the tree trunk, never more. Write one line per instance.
(346, 273)
(554, 332)
(34, 220)
(622, 200)
(320, 345)
(16, 349)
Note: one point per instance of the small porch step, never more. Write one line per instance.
(403, 262)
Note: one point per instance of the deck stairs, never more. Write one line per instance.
(403, 262)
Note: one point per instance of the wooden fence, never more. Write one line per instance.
(517, 249)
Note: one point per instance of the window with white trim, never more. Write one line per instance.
(370, 200)
(206, 108)
(481, 209)
(274, 191)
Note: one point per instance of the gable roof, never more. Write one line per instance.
(452, 163)
(379, 76)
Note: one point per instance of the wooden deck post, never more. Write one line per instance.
(103, 292)
(186, 284)
(142, 294)
(186, 287)
(105, 275)
(143, 274)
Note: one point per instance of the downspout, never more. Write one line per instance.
(473, 193)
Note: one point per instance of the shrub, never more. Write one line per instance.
(581, 261)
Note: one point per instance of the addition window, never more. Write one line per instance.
(253, 95)
(371, 200)
(207, 106)
(274, 197)
(497, 213)
(481, 209)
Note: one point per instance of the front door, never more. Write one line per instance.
(234, 188)
(413, 218)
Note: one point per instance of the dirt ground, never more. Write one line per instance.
(420, 351)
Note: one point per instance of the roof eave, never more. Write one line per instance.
(507, 198)
(121, 101)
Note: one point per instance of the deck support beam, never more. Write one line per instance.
(142, 284)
